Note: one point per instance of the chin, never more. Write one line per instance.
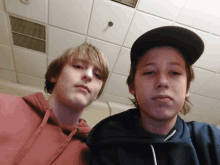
(161, 115)
(164, 117)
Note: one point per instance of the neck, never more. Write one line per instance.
(65, 114)
(157, 127)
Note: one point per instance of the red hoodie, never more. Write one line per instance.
(30, 133)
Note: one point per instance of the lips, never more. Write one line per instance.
(162, 97)
(83, 86)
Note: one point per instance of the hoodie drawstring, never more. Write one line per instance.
(28, 145)
(62, 147)
(152, 148)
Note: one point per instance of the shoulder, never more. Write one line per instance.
(197, 126)
(9, 102)
(204, 131)
(8, 98)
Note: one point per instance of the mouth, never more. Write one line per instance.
(164, 98)
(82, 87)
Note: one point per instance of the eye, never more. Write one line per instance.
(175, 73)
(148, 73)
(77, 66)
(98, 76)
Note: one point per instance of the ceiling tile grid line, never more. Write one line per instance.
(11, 43)
(174, 21)
(47, 24)
(46, 31)
(196, 92)
(110, 74)
(90, 16)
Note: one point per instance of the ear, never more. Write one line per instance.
(53, 79)
(187, 95)
(131, 89)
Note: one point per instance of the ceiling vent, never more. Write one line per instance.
(28, 34)
(131, 3)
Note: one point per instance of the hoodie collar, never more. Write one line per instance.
(120, 128)
(40, 105)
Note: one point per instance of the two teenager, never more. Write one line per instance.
(36, 131)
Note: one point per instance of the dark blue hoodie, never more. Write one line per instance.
(117, 141)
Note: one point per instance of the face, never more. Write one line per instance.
(71, 83)
(161, 71)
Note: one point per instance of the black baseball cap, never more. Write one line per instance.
(189, 43)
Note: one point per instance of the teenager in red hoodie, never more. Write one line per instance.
(42, 132)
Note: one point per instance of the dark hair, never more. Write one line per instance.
(85, 52)
(190, 77)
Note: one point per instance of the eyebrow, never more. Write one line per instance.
(170, 63)
(86, 62)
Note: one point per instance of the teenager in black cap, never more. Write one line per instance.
(153, 133)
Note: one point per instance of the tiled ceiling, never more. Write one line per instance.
(71, 22)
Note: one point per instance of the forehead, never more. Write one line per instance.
(165, 54)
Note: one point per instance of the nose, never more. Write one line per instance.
(88, 74)
(162, 80)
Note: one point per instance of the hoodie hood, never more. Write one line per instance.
(40, 105)
(120, 129)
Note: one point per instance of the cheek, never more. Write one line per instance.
(97, 87)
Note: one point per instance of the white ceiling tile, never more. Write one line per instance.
(36, 10)
(72, 15)
(6, 59)
(96, 115)
(122, 65)
(108, 97)
(4, 35)
(60, 40)
(2, 5)
(117, 86)
(210, 58)
(198, 16)
(119, 106)
(211, 88)
(8, 75)
(190, 117)
(30, 63)
(142, 23)
(31, 81)
(50, 59)
(216, 107)
(201, 104)
(105, 11)
(201, 77)
(111, 51)
(129, 102)
(219, 71)
(208, 120)
(216, 23)
(191, 95)
(168, 9)
(212, 113)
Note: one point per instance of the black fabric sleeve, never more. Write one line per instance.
(104, 156)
